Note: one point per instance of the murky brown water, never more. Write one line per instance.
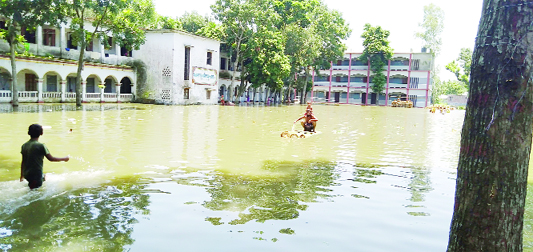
(210, 178)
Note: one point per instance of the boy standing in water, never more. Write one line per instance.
(33, 153)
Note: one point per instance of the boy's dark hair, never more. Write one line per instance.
(35, 130)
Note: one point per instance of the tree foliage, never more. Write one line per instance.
(192, 22)
(164, 22)
(121, 20)
(312, 34)
(450, 87)
(432, 26)
(378, 52)
(461, 66)
(269, 64)
(27, 14)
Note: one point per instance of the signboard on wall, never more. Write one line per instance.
(204, 76)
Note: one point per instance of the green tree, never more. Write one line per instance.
(462, 70)
(302, 47)
(268, 63)
(432, 27)
(237, 18)
(28, 14)
(122, 20)
(212, 30)
(192, 22)
(378, 52)
(314, 35)
(163, 22)
(451, 87)
(492, 170)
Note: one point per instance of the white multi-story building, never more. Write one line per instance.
(181, 68)
(46, 70)
(349, 80)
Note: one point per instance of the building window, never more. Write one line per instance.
(31, 82)
(70, 42)
(28, 35)
(187, 65)
(223, 64)
(125, 52)
(49, 38)
(209, 58)
(51, 83)
(186, 93)
(89, 47)
(208, 94)
(109, 43)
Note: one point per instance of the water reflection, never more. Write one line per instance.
(88, 219)
(280, 195)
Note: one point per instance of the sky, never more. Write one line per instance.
(401, 18)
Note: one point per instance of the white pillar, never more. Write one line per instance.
(40, 90)
(62, 40)
(117, 86)
(39, 39)
(63, 86)
(102, 50)
(83, 90)
(102, 93)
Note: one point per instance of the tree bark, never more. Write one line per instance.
(304, 92)
(496, 137)
(78, 73)
(14, 88)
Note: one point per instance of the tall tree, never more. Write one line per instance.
(237, 17)
(461, 67)
(378, 52)
(28, 15)
(314, 35)
(192, 22)
(496, 137)
(302, 47)
(122, 20)
(432, 26)
(268, 63)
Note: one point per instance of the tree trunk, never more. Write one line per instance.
(78, 73)
(304, 94)
(253, 99)
(496, 137)
(14, 88)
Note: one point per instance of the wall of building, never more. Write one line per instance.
(156, 53)
(199, 48)
(164, 55)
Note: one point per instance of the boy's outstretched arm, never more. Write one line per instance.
(56, 159)
(22, 171)
(299, 119)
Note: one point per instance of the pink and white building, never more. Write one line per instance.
(349, 81)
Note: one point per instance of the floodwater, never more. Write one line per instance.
(211, 178)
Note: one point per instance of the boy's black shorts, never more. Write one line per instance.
(35, 180)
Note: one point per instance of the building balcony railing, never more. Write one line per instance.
(33, 96)
(363, 85)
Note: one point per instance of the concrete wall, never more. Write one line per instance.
(164, 55)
